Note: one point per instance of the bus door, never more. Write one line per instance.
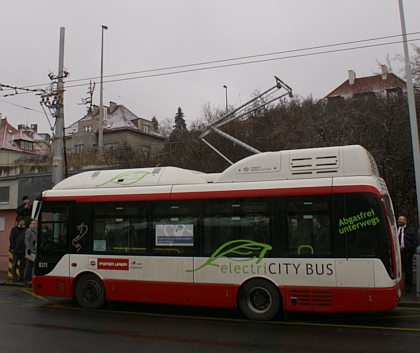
(53, 240)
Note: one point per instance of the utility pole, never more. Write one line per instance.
(58, 144)
(411, 109)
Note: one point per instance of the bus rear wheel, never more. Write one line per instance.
(259, 300)
(90, 292)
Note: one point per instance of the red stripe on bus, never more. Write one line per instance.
(110, 198)
(195, 195)
(322, 190)
(304, 299)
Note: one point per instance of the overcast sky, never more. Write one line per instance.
(146, 35)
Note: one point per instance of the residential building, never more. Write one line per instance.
(12, 190)
(42, 139)
(20, 151)
(120, 128)
(386, 84)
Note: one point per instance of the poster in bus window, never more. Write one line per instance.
(174, 234)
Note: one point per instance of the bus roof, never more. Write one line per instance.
(311, 163)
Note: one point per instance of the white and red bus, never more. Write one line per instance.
(303, 230)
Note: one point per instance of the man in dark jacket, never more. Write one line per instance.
(17, 248)
(24, 210)
(409, 241)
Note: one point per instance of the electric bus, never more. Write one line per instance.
(309, 230)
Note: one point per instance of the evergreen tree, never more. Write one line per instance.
(155, 124)
(180, 127)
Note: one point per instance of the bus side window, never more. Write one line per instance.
(361, 244)
(361, 227)
(228, 222)
(321, 235)
(299, 242)
(308, 225)
(183, 244)
(120, 237)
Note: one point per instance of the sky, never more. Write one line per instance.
(163, 54)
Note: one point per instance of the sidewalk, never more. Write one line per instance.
(5, 280)
(3, 277)
(410, 298)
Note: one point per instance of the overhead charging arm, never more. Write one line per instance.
(266, 97)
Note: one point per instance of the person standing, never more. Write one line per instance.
(17, 248)
(320, 238)
(408, 241)
(24, 210)
(30, 248)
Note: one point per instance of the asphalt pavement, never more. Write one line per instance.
(409, 299)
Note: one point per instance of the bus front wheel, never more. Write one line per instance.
(259, 300)
(90, 292)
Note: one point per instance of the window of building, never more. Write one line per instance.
(113, 145)
(26, 145)
(364, 95)
(393, 94)
(79, 148)
(4, 194)
(146, 128)
(146, 150)
(335, 99)
(88, 128)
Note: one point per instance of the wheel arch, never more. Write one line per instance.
(80, 275)
(267, 279)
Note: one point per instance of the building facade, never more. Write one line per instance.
(22, 150)
(386, 84)
(120, 127)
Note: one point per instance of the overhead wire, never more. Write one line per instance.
(237, 64)
(21, 106)
(192, 69)
(265, 54)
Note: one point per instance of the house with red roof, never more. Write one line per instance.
(22, 150)
(386, 84)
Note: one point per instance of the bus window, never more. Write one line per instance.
(308, 226)
(120, 228)
(360, 222)
(227, 220)
(53, 236)
(175, 228)
(389, 209)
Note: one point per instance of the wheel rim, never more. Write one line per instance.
(91, 291)
(259, 300)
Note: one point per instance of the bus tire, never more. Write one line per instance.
(259, 299)
(90, 291)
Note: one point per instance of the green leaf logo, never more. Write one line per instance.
(236, 248)
(126, 179)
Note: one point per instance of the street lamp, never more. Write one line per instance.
(225, 87)
(101, 100)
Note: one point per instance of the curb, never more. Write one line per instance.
(409, 304)
(10, 283)
(409, 301)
